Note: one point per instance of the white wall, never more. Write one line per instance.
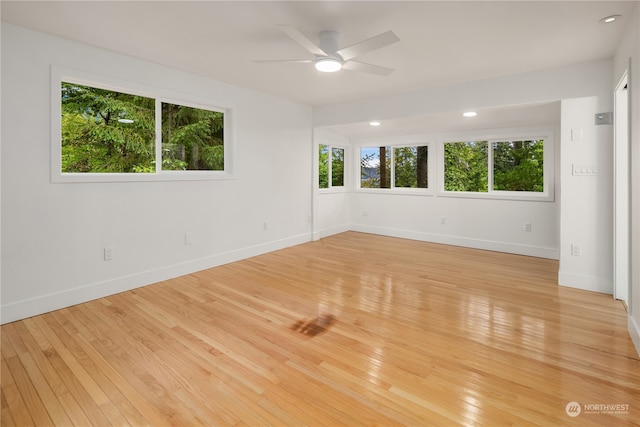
(333, 212)
(484, 224)
(53, 235)
(630, 49)
(587, 201)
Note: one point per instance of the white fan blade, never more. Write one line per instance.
(302, 40)
(299, 61)
(367, 68)
(375, 42)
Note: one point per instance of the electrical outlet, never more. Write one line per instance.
(365, 213)
(443, 220)
(576, 134)
(188, 238)
(265, 225)
(576, 250)
(526, 226)
(108, 254)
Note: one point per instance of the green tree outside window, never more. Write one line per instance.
(518, 166)
(192, 138)
(323, 165)
(466, 166)
(337, 167)
(410, 166)
(105, 131)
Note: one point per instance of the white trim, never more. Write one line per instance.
(158, 139)
(621, 191)
(489, 245)
(587, 283)
(334, 190)
(403, 191)
(43, 304)
(634, 333)
(499, 195)
(326, 232)
(60, 74)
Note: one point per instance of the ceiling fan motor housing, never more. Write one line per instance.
(329, 42)
(329, 45)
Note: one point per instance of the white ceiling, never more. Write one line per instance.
(530, 115)
(441, 43)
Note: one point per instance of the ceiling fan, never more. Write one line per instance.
(329, 58)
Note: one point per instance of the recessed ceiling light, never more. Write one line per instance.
(470, 114)
(374, 123)
(609, 19)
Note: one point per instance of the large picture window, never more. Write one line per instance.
(104, 134)
(106, 131)
(394, 167)
(502, 167)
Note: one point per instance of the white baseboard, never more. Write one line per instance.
(587, 283)
(43, 304)
(326, 232)
(535, 251)
(634, 333)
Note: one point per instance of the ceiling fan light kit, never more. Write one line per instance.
(328, 64)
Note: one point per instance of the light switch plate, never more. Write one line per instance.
(580, 170)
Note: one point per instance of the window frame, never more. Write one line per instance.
(393, 145)
(546, 134)
(60, 75)
(331, 188)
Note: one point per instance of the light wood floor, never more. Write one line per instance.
(354, 329)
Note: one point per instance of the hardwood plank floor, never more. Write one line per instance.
(354, 329)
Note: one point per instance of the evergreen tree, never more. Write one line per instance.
(105, 131)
